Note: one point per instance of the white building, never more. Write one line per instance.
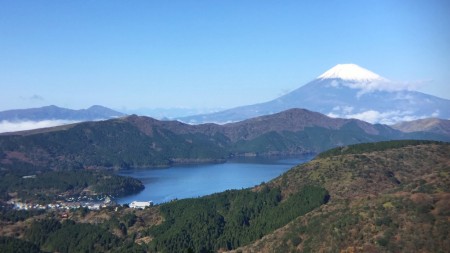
(94, 207)
(140, 204)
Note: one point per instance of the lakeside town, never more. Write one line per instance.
(89, 202)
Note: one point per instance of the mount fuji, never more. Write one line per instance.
(345, 91)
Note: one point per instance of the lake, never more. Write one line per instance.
(186, 181)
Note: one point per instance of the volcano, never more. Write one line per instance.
(344, 91)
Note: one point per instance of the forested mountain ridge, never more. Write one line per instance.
(135, 141)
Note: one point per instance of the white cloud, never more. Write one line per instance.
(333, 115)
(435, 114)
(373, 116)
(13, 126)
(344, 108)
(388, 118)
(370, 116)
(403, 96)
(334, 84)
(365, 87)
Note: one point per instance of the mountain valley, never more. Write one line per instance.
(193, 126)
(379, 197)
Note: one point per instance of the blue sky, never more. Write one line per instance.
(210, 54)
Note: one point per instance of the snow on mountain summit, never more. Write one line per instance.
(351, 72)
(345, 91)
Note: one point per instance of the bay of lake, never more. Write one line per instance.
(187, 181)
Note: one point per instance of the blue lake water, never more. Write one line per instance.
(178, 182)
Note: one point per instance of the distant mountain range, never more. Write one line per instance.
(135, 141)
(345, 91)
(431, 125)
(53, 112)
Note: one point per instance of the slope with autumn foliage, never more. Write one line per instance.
(385, 197)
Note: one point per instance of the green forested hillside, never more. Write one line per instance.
(382, 197)
(114, 143)
(46, 186)
(13, 245)
(53, 236)
(311, 139)
(230, 219)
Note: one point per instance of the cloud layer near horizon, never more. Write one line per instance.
(14, 126)
(373, 116)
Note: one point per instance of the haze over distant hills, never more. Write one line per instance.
(53, 112)
(346, 91)
(49, 116)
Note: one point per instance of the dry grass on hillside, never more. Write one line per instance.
(391, 201)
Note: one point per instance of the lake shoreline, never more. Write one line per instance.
(164, 184)
(211, 161)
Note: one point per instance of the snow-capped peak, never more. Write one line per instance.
(351, 72)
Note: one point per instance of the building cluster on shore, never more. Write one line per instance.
(72, 203)
(63, 205)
